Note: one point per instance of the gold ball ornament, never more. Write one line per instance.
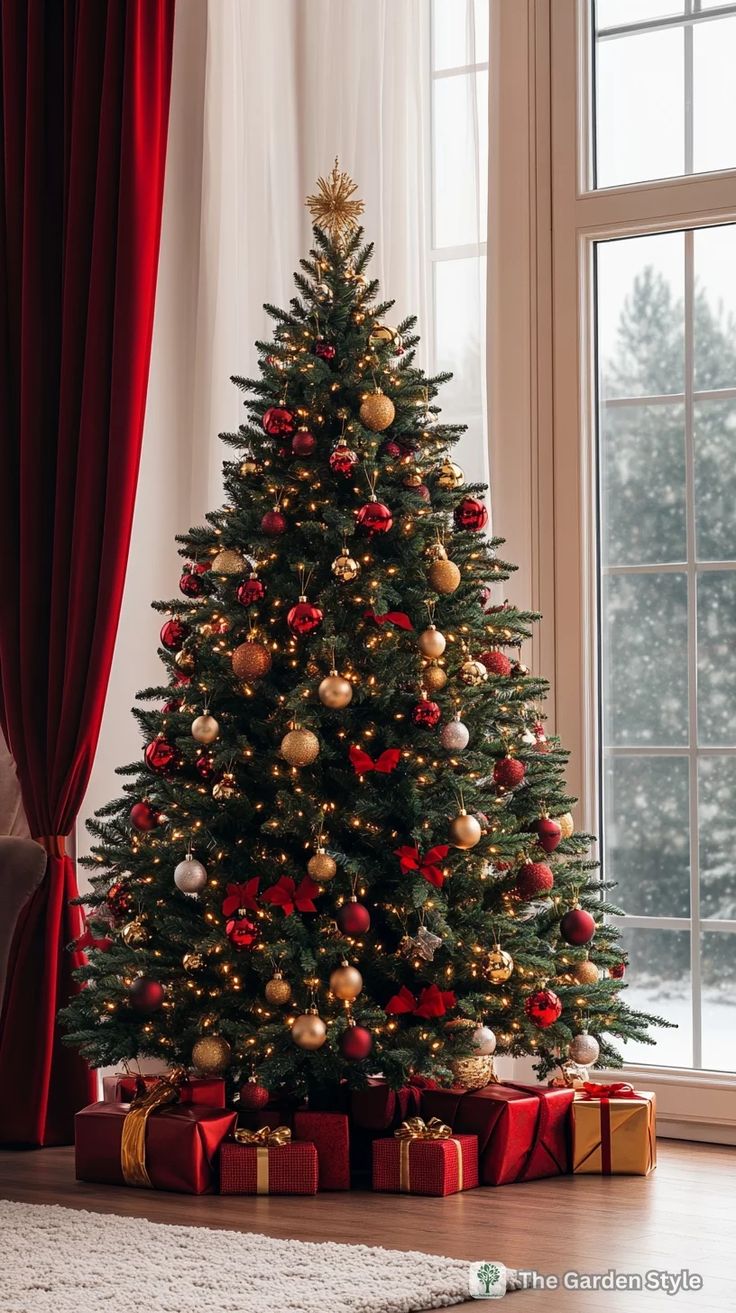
(585, 973)
(321, 866)
(413, 480)
(309, 1030)
(444, 576)
(225, 788)
(436, 552)
(377, 411)
(300, 747)
(191, 961)
(472, 1073)
(382, 333)
(498, 966)
(229, 561)
(431, 642)
(211, 1055)
(434, 678)
(277, 990)
(334, 691)
(133, 933)
(205, 729)
(465, 831)
(251, 660)
(346, 981)
(248, 467)
(473, 673)
(185, 661)
(345, 568)
(566, 824)
(449, 475)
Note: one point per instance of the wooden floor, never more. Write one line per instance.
(683, 1216)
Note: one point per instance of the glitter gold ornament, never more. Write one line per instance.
(382, 333)
(472, 1073)
(229, 561)
(377, 411)
(498, 966)
(251, 660)
(434, 678)
(585, 973)
(321, 866)
(566, 824)
(309, 1030)
(346, 981)
(449, 475)
(334, 691)
(191, 961)
(299, 746)
(134, 933)
(205, 729)
(465, 831)
(345, 568)
(211, 1055)
(332, 206)
(473, 673)
(431, 642)
(444, 576)
(277, 990)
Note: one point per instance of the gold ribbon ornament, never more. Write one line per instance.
(415, 1128)
(260, 1141)
(133, 1140)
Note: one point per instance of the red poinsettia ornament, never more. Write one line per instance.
(428, 866)
(363, 764)
(241, 898)
(291, 897)
(432, 1002)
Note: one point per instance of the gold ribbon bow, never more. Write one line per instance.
(415, 1128)
(133, 1140)
(260, 1141)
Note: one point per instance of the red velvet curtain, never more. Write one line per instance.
(85, 101)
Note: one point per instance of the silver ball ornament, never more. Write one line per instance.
(190, 876)
(584, 1049)
(484, 1040)
(455, 736)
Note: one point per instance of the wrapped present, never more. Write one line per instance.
(153, 1142)
(425, 1158)
(379, 1108)
(125, 1086)
(329, 1132)
(614, 1130)
(268, 1161)
(523, 1130)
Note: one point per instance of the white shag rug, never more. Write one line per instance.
(65, 1260)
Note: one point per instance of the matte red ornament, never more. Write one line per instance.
(534, 878)
(426, 713)
(304, 617)
(173, 634)
(391, 449)
(375, 517)
(508, 772)
(191, 583)
(618, 971)
(577, 926)
(353, 918)
(342, 460)
(277, 420)
(496, 663)
(325, 350)
(251, 591)
(241, 931)
(253, 1096)
(543, 1007)
(356, 1043)
(549, 833)
(160, 756)
(471, 514)
(303, 443)
(144, 816)
(205, 766)
(146, 996)
(274, 523)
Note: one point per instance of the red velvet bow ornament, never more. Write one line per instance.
(398, 618)
(241, 895)
(384, 764)
(432, 1002)
(427, 866)
(289, 897)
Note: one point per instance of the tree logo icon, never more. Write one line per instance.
(487, 1280)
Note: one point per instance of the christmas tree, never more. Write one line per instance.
(348, 847)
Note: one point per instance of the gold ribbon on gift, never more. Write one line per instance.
(133, 1141)
(415, 1128)
(260, 1141)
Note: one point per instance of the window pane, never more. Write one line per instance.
(460, 139)
(718, 969)
(643, 484)
(459, 292)
(647, 842)
(613, 13)
(717, 813)
(659, 982)
(640, 315)
(714, 434)
(644, 659)
(714, 327)
(717, 658)
(640, 102)
(459, 32)
(714, 94)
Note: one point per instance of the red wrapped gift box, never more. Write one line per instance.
(180, 1145)
(523, 1130)
(426, 1166)
(379, 1108)
(203, 1091)
(286, 1168)
(329, 1133)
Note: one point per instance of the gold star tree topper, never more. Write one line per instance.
(331, 207)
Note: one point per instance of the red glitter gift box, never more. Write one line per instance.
(268, 1163)
(411, 1164)
(173, 1148)
(329, 1132)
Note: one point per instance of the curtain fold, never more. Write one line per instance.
(85, 98)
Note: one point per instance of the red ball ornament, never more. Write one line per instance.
(160, 756)
(277, 421)
(144, 816)
(577, 926)
(423, 491)
(353, 918)
(543, 1007)
(342, 460)
(173, 634)
(375, 517)
(426, 714)
(471, 514)
(274, 523)
(325, 350)
(205, 766)
(251, 591)
(119, 901)
(618, 971)
(549, 833)
(191, 583)
(496, 663)
(146, 996)
(534, 878)
(391, 449)
(253, 1096)
(304, 617)
(303, 443)
(356, 1043)
(508, 772)
(241, 932)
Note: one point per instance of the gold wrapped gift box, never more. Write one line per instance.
(614, 1130)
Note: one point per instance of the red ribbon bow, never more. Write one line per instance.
(88, 940)
(387, 761)
(427, 867)
(398, 618)
(241, 895)
(620, 1089)
(286, 895)
(432, 1002)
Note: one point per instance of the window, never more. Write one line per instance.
(457, 242)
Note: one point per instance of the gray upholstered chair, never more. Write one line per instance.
(22, 867)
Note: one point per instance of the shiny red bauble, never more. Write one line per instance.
(304, 617)
(618, 971)
(391, 449)
(471, 514)
(426, 713)
(191, 583)
(119, 900)
(508, 772)
(353, 918)
(146, 996)
(549, 833)
(277, 420)
(205, 766)
(303, 443)
(342, 459)
(241, 931)
(375, 517)
(253, 1096)
(543, 1007)
(534, 878)
(577, 926)
(144, 816)
(173, 634)
(496, 663)
(325, 350)
(356, 1043)
(274, 523)
(251, 591)
(160, 756)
